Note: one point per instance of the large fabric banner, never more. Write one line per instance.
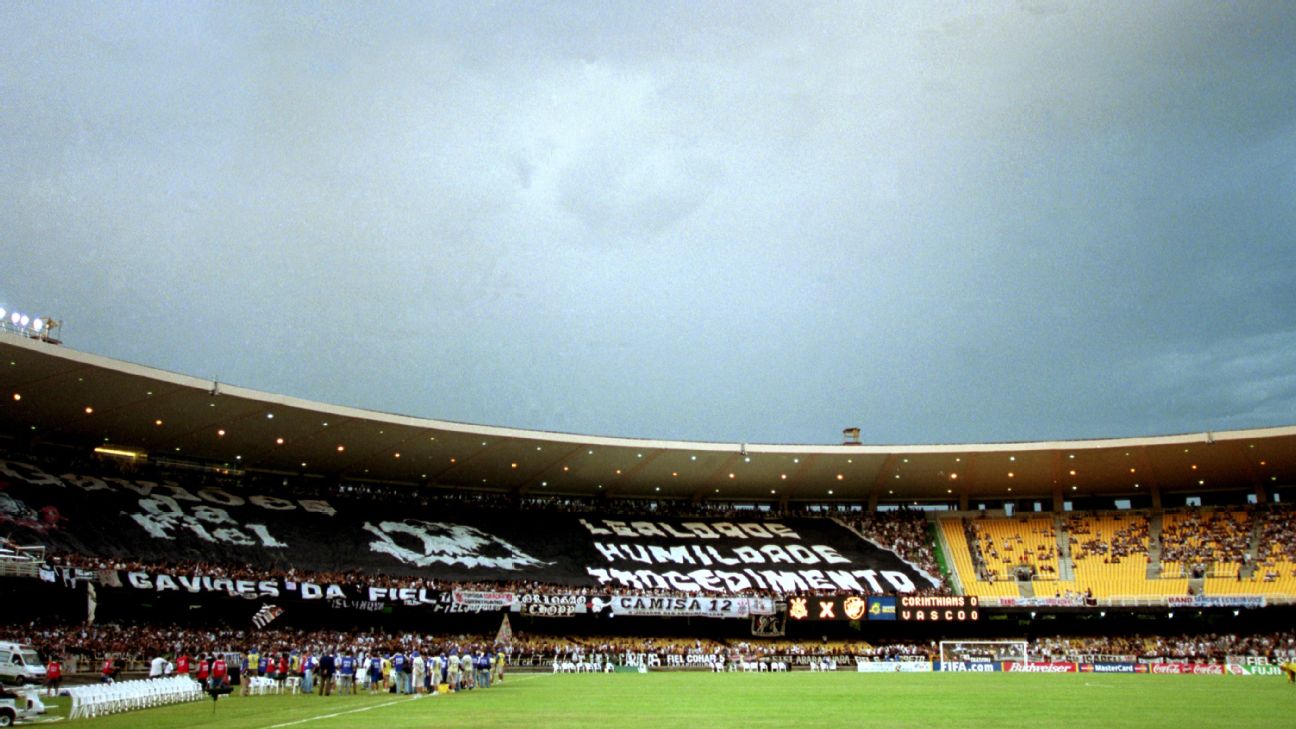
(1215, 601)
(699, 607)
(169, 521)
(551, 606)
(485, 600)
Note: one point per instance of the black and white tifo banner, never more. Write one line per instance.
(359, 597)
(172, 521)
(376, 598)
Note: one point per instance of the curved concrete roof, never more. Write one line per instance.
(64, 396)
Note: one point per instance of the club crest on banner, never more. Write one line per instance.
(423, 543)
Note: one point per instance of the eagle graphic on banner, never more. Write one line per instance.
(423, 543)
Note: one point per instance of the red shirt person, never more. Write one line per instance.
(53, 676)
(219, 673)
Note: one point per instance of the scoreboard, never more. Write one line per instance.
(912, 608)
(940, 608)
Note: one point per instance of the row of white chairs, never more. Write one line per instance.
(112, 698)
(763, 666)
(582, 667)
(261, 685)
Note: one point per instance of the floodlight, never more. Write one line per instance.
(38, 324)
(15, 318)
(2, 312)
(25, 321)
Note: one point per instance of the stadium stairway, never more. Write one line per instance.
(1026, 587)
(940, 550)
(943, 543)
(1247, 571)
(1066, 568)
(1154, 545)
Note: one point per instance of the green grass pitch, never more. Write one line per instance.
(811, 700)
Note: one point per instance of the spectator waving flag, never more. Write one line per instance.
(266, 615)
(505, 634)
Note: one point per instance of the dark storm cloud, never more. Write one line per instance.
(756, 222)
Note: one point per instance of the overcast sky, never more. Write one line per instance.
(733, 221)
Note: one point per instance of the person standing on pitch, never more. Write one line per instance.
(308, 672)
(466, 671)
(418, 671)
(346, 674)
(53, 676)
(327, 665)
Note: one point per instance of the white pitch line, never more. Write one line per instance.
(343, 713)
(528, 677)
(336, 714)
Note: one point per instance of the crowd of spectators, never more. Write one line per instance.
(1256, 542)
(1201, 647)
(1113, 539)
(906, 532)
(1277, 544)
(1199, 539)
(361, 579)
(138, 643)
(972, 536)
(1196, 540)
(1027, 550)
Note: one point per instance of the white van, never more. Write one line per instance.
(19, 664)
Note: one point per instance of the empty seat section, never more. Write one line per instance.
(1110, 556)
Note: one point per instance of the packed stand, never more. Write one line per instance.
(138, 648)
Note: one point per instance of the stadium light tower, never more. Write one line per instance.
(51, 324)
(37, 327)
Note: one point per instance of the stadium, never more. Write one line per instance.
(170, 515)
(662, 364)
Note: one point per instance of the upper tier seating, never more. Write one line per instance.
(961, 557)
(1109, 554)
(1025, 545)
(1273, 566)
(1112, 554)
(1204, 543)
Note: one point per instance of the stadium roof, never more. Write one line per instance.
(59, 395)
